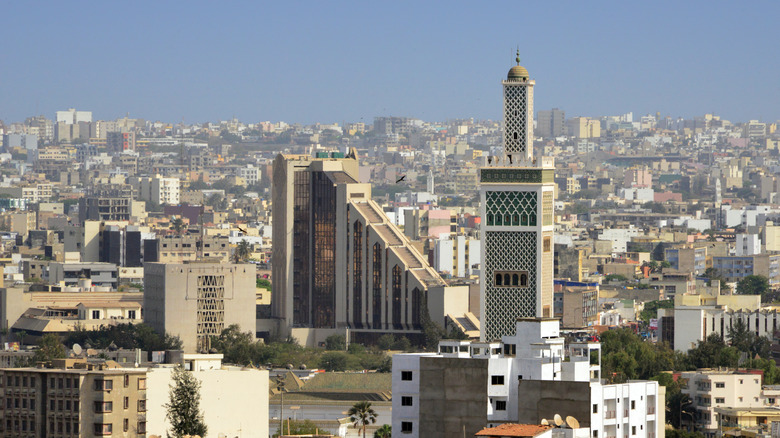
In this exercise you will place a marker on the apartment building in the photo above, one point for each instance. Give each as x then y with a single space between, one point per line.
524 378
710 390
73 398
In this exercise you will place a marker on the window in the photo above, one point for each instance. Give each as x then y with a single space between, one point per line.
103 406
406 401
127 380
496 380
595 434
595 408
406 427
771 401
406 375
96 314
633 404
103 428
126 403
131 314
125 425
500 405
720 384
142 427
723 400
142 405
142 383
741 381
104 385
633 430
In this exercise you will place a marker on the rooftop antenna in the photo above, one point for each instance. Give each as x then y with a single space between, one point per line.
572 422
77 350
558 420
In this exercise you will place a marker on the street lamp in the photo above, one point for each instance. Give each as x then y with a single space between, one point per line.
280 388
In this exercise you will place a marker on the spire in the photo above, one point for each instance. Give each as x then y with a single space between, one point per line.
517 58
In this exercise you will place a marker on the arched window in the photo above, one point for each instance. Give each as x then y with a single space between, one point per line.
515 134
490 219
523 280
515 279
498 279
506 279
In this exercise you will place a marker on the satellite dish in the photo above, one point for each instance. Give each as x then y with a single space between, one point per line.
558 420
572 422
544 422
77 349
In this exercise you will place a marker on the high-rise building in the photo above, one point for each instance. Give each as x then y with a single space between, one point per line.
340 265
551 123
198 300
516 204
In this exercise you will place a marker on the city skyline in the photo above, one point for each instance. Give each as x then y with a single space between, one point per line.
347 62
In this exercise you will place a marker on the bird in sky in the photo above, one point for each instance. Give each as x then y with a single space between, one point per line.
400 179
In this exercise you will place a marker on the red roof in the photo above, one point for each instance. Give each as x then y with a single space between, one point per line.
514 430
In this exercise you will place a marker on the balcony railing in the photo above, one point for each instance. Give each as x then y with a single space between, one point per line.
650 410
610 414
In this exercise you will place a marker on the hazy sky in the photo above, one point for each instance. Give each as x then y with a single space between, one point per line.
332 61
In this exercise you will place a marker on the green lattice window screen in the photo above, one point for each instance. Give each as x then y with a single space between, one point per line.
510 208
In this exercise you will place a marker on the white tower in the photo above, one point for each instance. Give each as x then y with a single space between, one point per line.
516 194
430 182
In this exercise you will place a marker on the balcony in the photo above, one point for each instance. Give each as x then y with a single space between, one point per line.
610 414
651 410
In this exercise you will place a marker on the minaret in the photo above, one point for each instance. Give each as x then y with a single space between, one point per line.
430 182
516 207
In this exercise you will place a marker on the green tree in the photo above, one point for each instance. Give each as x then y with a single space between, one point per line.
385 342
301 427
238 347
183 407
178 225
713 274
713 352
263 283
361 415
242 251
383 432
615 277
650 310
336 342
746 341
753 285
334 361
49 347
402 343
20 335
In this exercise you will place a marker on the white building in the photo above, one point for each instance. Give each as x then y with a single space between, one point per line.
71 116
234 400
250 174
747 244
522 379
619 237
709 390
456 256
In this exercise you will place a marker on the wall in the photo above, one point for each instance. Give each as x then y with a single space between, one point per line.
544 399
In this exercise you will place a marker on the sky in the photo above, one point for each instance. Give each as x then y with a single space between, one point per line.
336 61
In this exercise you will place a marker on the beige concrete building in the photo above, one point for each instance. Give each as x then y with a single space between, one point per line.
73 398
713 390
198 300
339 265
192 247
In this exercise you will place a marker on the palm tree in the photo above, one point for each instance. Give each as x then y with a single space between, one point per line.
178 225
361 415
383 432
242 251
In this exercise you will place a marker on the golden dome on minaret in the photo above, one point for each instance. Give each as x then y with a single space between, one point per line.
518 72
